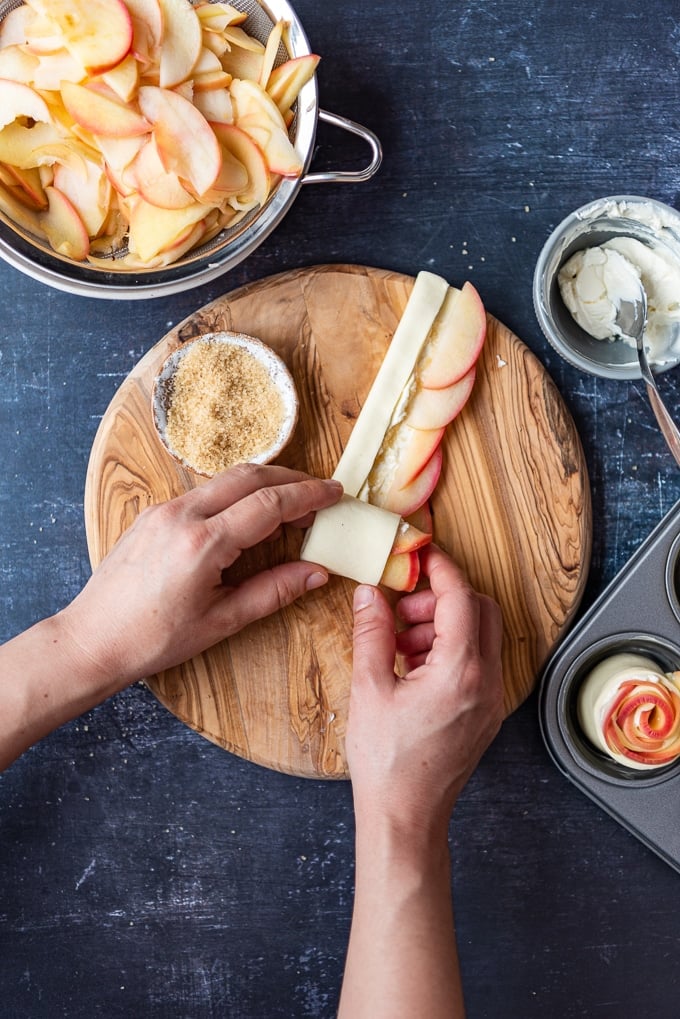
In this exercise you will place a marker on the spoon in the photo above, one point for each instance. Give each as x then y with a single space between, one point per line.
631 319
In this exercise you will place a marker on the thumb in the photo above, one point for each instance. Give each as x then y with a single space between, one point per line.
374 637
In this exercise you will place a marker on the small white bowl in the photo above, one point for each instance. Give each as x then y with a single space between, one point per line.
645 219
277 372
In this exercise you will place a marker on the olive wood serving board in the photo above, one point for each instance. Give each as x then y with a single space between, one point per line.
512 506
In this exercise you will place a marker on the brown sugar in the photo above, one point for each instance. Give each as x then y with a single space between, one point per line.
223 407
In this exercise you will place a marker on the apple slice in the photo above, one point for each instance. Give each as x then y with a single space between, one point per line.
404 453
281 157
406 501
410 538
401 572
218 16
181 41
17 64
100 115
42 35
436 408
155 184
123 79
63 226
232 180
456 339
270 51
119 154
186 143
29 183
19 100
21 146
90 194
53 68
13 26
154 230
147 29
97 32
243 148
286 80
243 63
422 519
19 213
215 105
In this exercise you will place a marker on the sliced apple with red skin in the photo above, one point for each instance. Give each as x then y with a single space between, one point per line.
281 157
42 35
243 148
154 230
219 16
186 143
13 26
182 41
123 79
436 408
244 64
17 64
154 183
147 29
270 51
21 146
215 105
422 519
21 101
18 212
119 154
29 183
89 193
214 42
407 500
211 81
456 340
97 32
63 226
404 452
101 115
53 68
286 80
232 180
410 538
402 571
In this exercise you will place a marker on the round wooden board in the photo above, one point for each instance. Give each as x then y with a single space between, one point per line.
512 506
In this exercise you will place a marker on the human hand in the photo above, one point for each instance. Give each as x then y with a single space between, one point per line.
163 594
413 741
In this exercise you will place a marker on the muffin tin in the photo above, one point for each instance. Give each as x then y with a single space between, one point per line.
639 612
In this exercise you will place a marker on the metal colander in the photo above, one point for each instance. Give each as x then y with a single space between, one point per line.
32 256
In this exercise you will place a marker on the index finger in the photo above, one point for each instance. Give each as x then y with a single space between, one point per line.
260 513
236 483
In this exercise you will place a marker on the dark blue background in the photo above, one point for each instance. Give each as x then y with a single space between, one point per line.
145 872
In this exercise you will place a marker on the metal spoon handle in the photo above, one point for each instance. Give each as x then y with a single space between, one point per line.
666 423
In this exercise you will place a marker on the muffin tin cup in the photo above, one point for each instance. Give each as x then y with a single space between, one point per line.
638 613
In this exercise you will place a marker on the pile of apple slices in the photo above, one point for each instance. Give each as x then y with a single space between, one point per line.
393 458
141 126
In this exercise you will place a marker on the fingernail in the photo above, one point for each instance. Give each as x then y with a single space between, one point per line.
315 580
332 483
363 597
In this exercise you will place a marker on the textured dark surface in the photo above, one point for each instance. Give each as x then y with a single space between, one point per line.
143 871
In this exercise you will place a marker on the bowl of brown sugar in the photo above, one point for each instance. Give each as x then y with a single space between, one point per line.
222 399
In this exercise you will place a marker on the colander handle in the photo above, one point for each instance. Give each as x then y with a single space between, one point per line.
348 176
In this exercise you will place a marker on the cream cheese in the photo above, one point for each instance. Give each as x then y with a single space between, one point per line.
594 281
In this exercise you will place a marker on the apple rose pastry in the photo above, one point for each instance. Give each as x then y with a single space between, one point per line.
631 711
